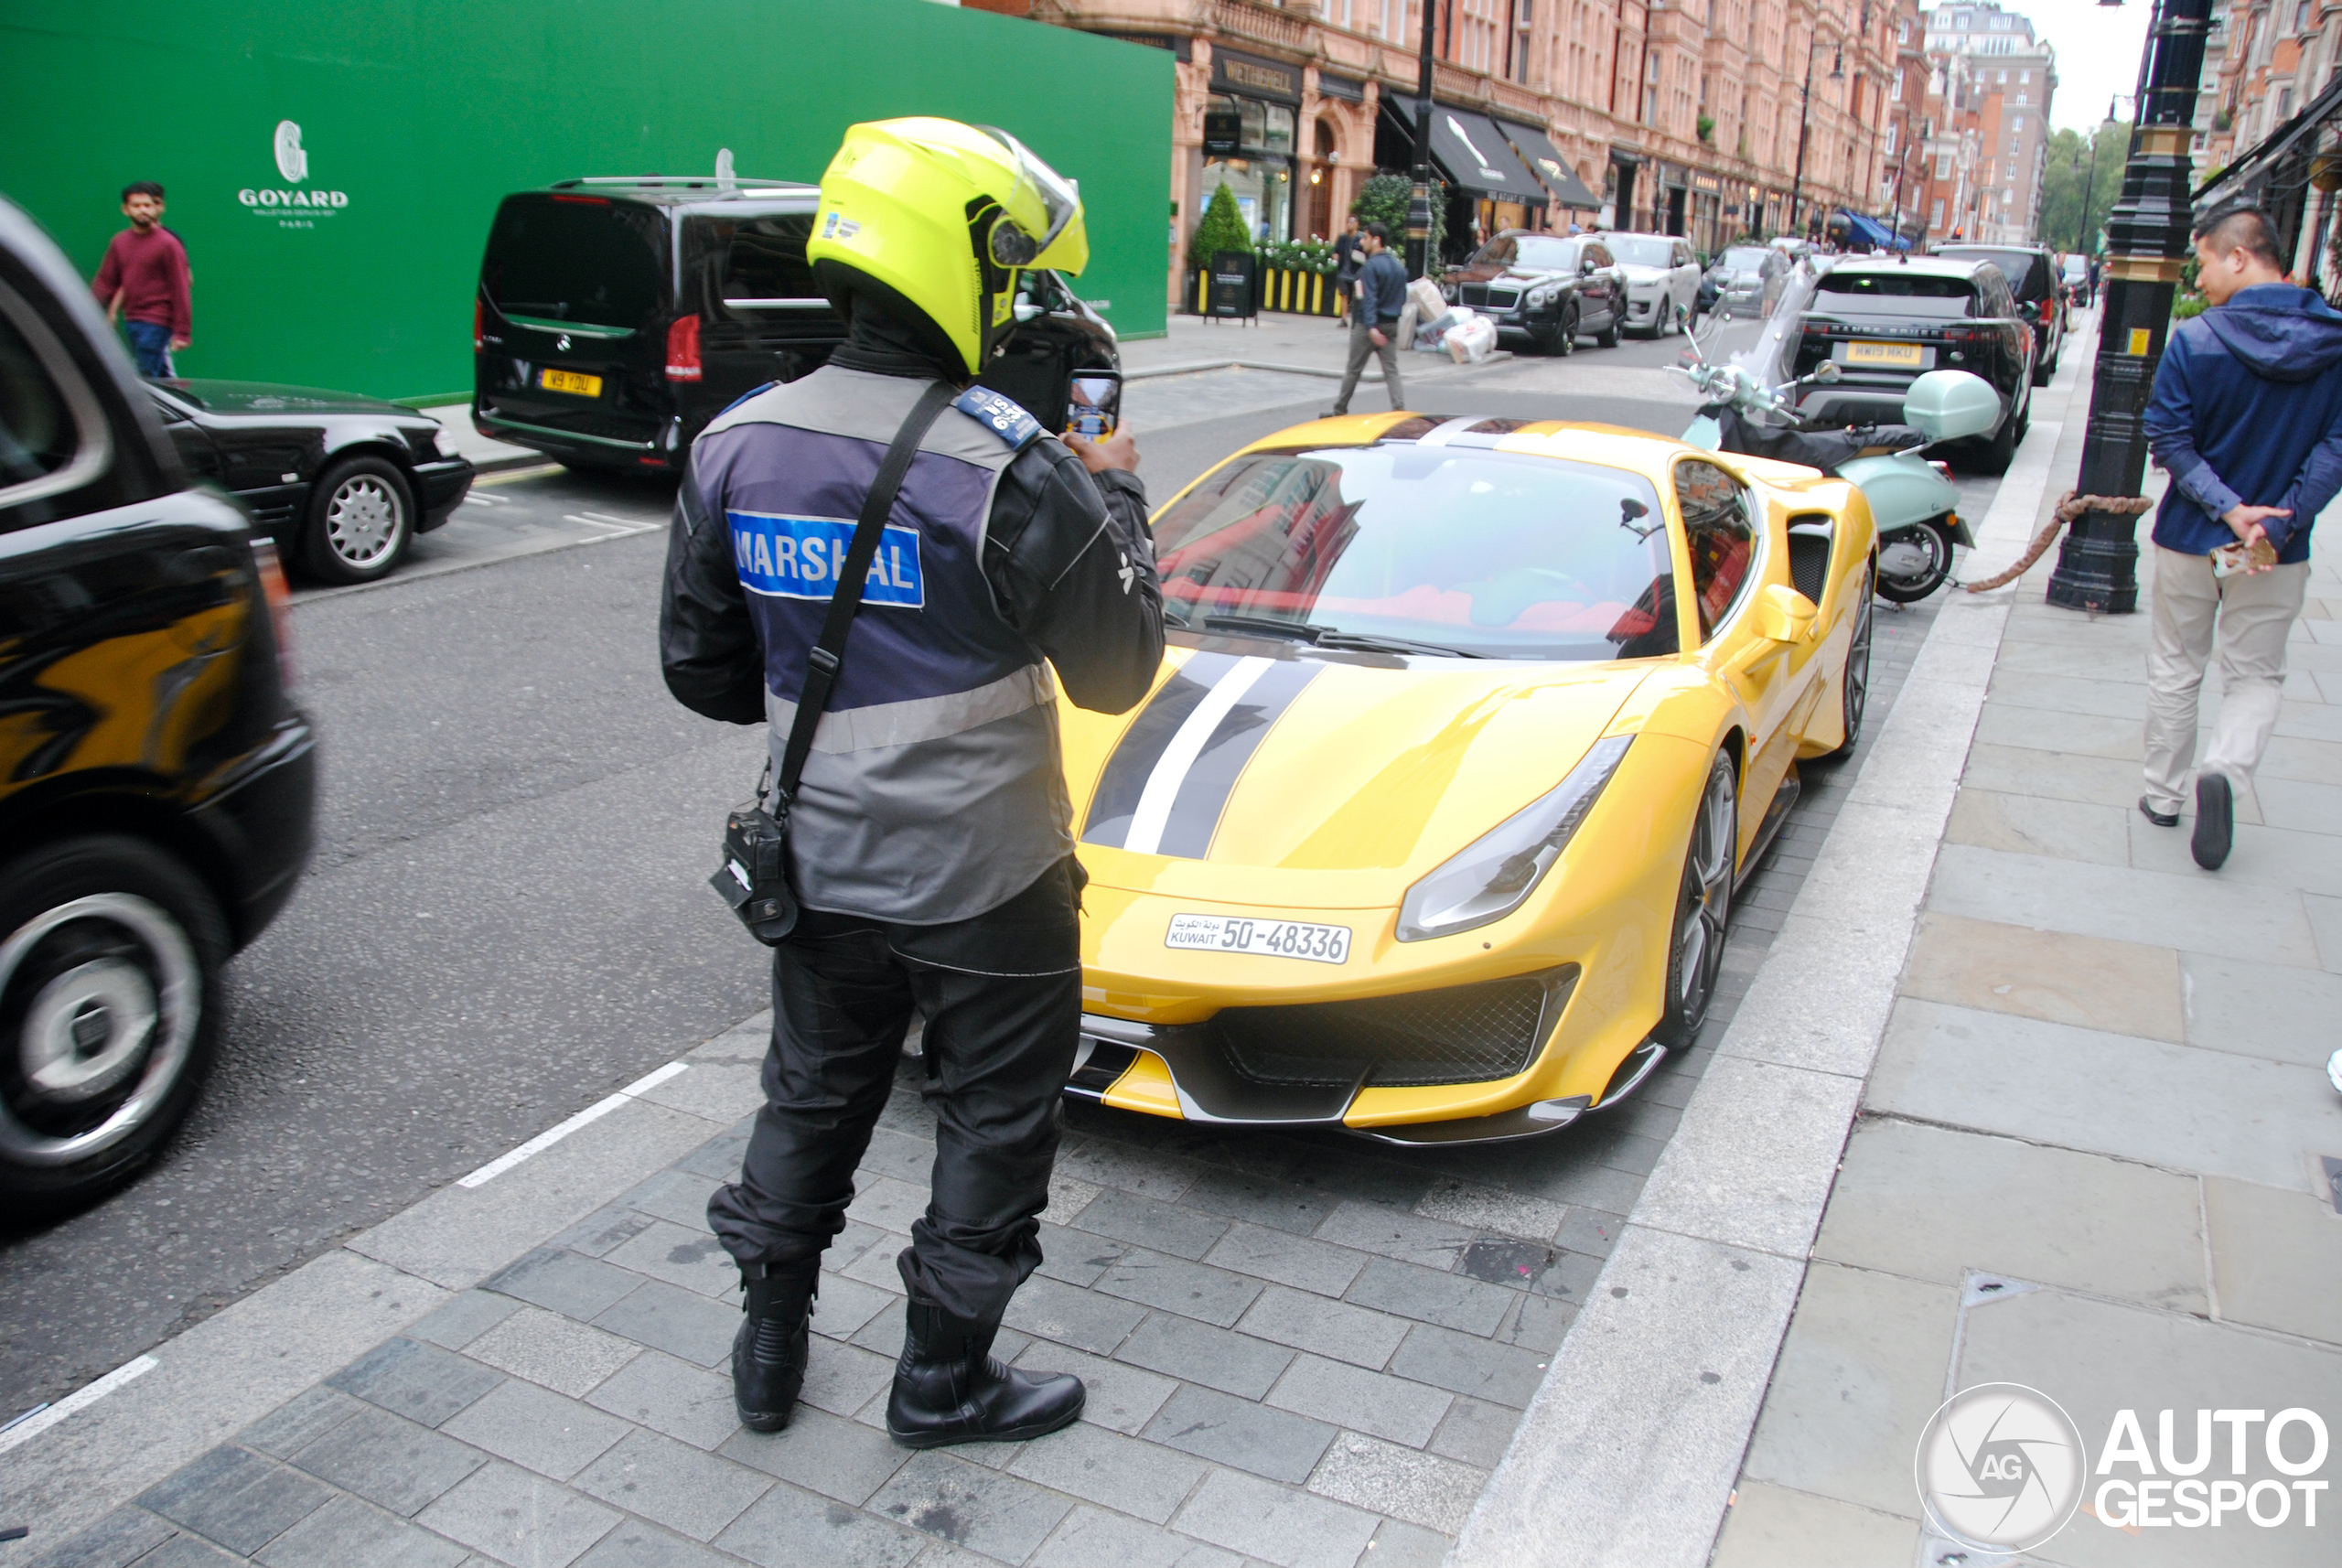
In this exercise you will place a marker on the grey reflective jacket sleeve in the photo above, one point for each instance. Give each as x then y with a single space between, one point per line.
1073 568
707 644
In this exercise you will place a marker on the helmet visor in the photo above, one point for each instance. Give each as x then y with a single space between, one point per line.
1058 200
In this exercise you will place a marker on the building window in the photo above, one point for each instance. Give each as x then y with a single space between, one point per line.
1935 220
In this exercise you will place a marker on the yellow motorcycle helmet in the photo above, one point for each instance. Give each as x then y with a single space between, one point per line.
932 220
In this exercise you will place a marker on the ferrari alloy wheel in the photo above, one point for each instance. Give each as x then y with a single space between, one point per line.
1854 681
110 956
1702 907
362 518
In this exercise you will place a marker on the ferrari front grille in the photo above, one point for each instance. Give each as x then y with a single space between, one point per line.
1462 1034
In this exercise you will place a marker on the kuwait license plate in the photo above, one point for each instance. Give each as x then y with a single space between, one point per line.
1273 938
573 381
1883 354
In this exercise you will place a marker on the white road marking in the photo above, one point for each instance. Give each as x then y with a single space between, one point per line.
33 1425
555 1133
619 527
1153 811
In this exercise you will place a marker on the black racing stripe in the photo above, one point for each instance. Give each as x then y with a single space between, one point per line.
1141 747
1196 811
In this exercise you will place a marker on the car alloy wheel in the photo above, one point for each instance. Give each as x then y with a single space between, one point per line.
1853 680
1702 907
108 960
362 520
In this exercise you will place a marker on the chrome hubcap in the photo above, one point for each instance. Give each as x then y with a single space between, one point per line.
101 997
1707 885
363 519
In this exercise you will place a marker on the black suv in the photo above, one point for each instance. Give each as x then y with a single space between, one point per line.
1884 321
2035 280
156 784
617 316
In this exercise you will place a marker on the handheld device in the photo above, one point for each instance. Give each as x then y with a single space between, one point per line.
1095 404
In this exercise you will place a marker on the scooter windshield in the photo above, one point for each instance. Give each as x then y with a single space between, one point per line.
1773 358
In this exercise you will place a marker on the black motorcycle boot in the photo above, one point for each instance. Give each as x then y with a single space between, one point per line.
768 1352
948 1387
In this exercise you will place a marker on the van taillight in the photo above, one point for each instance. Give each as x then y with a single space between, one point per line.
683 349
279 595
480 324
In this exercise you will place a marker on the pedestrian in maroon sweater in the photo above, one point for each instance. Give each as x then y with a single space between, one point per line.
145 283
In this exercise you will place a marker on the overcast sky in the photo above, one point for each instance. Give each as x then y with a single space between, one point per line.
2098 53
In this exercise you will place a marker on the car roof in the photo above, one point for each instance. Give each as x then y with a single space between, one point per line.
1934 266
1634 234
701 192
1959 246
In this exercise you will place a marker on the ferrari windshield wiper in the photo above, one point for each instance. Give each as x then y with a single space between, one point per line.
1366 642
1332 636
1269 626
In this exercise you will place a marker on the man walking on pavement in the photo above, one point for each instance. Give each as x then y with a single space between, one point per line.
930 841
144 281
2246 414
1374 319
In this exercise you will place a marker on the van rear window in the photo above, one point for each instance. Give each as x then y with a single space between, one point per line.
592 262
1924 295
754 262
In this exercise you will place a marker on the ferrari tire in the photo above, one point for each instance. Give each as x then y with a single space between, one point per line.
1702 907
1854 677
110 958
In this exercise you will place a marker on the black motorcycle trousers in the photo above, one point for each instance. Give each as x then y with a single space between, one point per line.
1002 997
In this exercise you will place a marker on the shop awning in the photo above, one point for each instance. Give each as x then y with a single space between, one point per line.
2248 172
1546 161
1871 231
1471 154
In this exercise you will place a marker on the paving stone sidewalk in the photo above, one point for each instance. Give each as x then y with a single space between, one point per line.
2089 1156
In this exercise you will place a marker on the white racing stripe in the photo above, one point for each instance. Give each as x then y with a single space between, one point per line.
1171 768
555 1133
33 1425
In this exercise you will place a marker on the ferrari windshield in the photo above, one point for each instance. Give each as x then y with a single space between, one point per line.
1494 554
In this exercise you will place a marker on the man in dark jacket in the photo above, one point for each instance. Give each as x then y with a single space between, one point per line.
2246 416
1349 255
1374 319
930 839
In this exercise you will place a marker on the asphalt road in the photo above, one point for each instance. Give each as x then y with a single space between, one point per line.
506 917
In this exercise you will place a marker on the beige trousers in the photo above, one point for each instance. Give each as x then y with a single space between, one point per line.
2253 614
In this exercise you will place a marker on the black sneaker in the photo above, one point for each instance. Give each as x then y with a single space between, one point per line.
2160 819
2215 821
1335 413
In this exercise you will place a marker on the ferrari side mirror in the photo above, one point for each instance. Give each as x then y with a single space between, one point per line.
1784 615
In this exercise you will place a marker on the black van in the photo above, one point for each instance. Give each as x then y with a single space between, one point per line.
617 316
156 782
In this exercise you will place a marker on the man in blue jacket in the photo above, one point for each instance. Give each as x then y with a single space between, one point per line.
1374 319
2247 417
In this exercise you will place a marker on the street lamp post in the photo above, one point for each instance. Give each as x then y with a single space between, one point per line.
2147 243
1419 203
1805 120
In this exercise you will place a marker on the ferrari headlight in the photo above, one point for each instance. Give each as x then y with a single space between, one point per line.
1491 880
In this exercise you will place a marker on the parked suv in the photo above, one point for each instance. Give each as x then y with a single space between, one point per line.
617 316
2033 278
156 782
1547 288
1662 280
1883 322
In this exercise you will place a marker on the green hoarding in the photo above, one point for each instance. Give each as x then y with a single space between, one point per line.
333 167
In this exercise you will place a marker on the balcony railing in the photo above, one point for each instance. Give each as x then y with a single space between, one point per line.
1262 23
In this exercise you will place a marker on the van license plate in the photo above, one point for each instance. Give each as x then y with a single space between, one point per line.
1883 354
1271 938
573 381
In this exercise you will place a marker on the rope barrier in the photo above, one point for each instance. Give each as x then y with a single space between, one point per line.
2069 507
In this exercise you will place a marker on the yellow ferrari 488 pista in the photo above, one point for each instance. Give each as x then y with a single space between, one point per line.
1431 826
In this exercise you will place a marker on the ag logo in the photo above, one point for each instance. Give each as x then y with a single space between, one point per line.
2000 1467
291 161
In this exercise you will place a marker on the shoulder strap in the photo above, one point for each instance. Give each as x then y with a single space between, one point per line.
827 653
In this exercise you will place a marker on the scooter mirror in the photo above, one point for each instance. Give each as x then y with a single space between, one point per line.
1828 374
